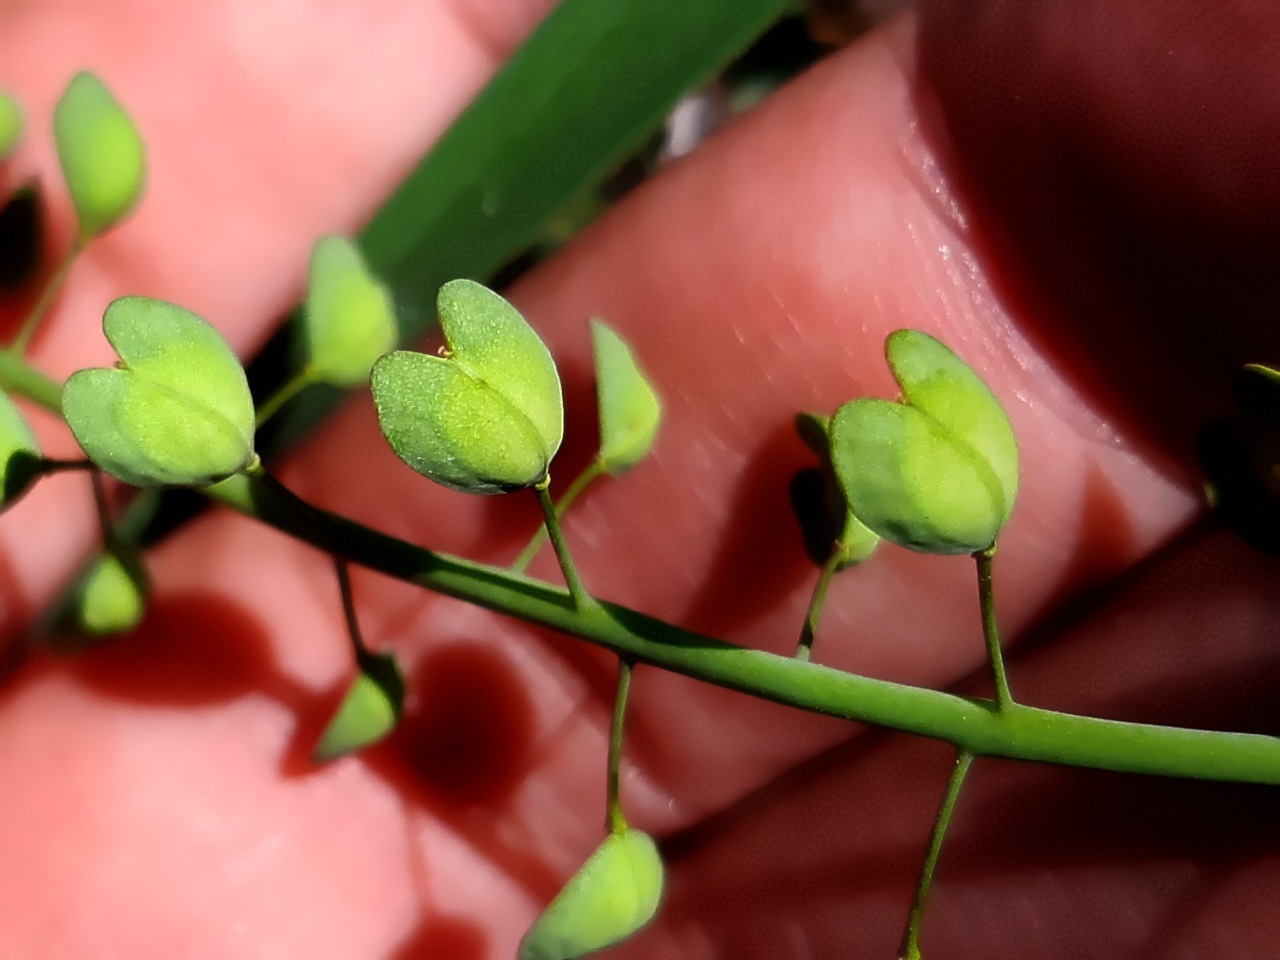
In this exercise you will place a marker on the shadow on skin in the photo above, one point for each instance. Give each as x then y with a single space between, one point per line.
753 567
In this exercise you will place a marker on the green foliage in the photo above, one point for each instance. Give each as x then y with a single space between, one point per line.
591 84
630 411
832 527
176 409
349 318
613 895
369 711
112 597
101 152
487 416
10 126
20 457
937 472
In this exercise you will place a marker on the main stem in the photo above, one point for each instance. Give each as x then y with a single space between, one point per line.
974 725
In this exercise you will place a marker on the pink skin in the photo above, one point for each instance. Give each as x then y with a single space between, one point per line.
1069 197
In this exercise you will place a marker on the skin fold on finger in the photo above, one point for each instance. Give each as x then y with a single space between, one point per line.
1122 159
756 279
247 165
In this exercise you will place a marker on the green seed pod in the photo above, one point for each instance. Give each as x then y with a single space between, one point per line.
10 126
176 409
349 319
112 597
101 152
20 456
369 711
630 411
833 527
487 416
615 893
937 472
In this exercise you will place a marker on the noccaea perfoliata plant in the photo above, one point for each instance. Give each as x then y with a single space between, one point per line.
175 411
935 471
487 415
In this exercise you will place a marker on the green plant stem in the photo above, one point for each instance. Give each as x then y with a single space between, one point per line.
20 378
817 601
990 629
615 822
49 466
358 646
283 394
18 347
973 725
580 483
103 510
911 939
581 599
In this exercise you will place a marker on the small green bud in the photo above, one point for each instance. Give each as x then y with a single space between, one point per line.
369 711
349 319
10 126
101 153
20 457
112 597
176 409
487 416
614 894
937 472
630 411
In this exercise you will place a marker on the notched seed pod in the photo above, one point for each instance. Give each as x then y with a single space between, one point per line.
937 472
487 417
176 409
614 894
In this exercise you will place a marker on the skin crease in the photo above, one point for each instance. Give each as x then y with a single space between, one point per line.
157 801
